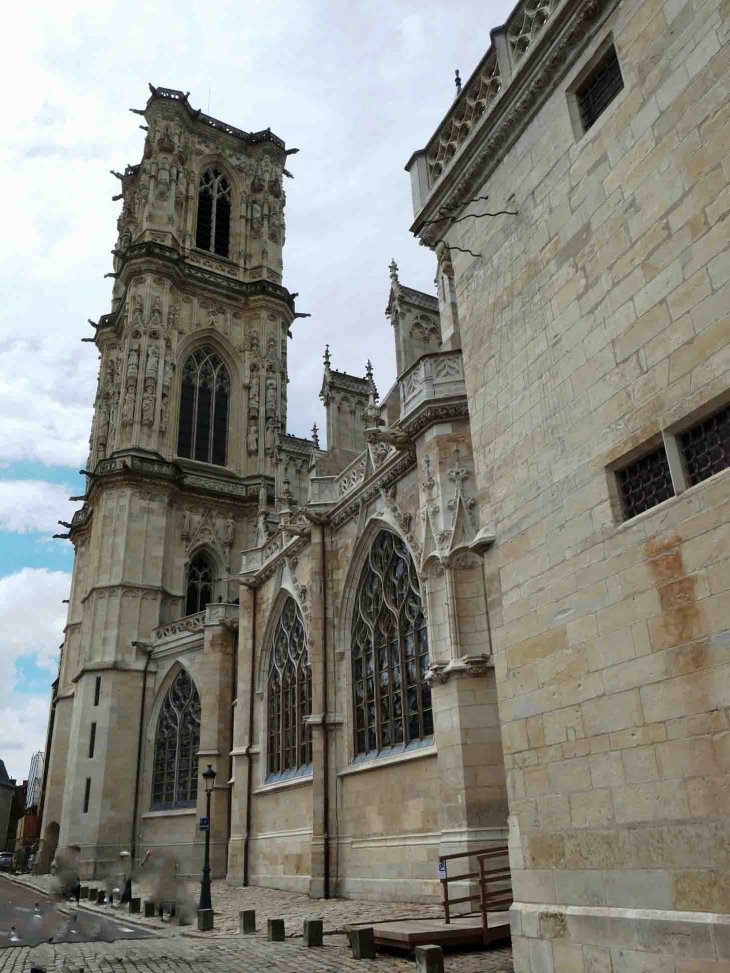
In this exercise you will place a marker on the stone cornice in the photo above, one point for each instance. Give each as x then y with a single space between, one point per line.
431 412
186 272
533 81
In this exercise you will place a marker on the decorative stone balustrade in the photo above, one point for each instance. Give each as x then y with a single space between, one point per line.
193 625
436 376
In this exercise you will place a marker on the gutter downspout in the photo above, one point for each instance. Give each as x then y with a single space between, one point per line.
234 698
325 736
249 767
133 842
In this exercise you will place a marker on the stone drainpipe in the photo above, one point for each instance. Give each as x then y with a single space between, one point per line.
133 841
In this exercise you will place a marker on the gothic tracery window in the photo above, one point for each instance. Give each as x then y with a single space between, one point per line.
204 398
214 213
175 772
392 700
200 585
289 696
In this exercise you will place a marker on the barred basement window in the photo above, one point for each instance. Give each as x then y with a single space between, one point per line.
200 585
175 769
392 700
214 213
706 447
204 407
289 696
599 89
645 483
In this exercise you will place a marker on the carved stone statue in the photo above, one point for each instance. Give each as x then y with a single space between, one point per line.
103 422
253 339
168 372
148 403
164 411
172 317
230 530
128 407
133 360
253 392
270 397
186 524
153 362
271 348
269 442
252 438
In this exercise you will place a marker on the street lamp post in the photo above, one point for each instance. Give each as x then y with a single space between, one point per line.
205 901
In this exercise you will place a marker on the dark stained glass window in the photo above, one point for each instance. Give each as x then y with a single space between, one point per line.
175 773
706 447
200 585
289 696
645 483
213 230
392 700
204 398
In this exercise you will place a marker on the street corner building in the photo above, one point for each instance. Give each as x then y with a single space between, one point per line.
496 607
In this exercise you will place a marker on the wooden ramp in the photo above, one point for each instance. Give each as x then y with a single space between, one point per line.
461 931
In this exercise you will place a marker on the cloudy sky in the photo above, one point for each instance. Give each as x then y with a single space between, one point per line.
355 86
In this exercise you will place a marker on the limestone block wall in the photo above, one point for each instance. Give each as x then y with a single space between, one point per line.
388 831
595 326
281 839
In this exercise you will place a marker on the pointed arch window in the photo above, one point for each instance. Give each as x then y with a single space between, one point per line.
392 700
204 396
177 741
289 697
200 585
213 230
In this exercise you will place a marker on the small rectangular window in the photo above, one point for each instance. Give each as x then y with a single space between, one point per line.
92 739
645 483
87 794
97 690
706 447
599 89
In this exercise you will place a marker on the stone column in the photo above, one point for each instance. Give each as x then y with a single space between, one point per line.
216 696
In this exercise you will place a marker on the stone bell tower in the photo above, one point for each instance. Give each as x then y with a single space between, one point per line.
191 396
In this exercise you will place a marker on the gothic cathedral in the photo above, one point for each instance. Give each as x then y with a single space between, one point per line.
310 622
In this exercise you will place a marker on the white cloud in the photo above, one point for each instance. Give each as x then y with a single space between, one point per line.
23 722
34 505
32 618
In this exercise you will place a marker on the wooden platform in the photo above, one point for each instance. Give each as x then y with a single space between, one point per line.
409 933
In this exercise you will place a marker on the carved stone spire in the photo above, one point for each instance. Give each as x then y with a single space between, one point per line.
315 436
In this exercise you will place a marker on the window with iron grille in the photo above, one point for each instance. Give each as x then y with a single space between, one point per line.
706 447
204 407
177 741
289 694
599 89
392 700
645 483
214 213
200 585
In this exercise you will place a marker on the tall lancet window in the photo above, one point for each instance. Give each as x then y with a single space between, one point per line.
200 585
392 700
289 696
204 407
213 231
175 769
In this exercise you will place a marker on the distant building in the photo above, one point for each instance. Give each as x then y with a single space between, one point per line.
35 781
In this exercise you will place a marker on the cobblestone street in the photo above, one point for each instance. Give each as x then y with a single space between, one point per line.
178 955
179 949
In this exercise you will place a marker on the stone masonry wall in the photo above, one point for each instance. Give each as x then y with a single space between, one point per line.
594 324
